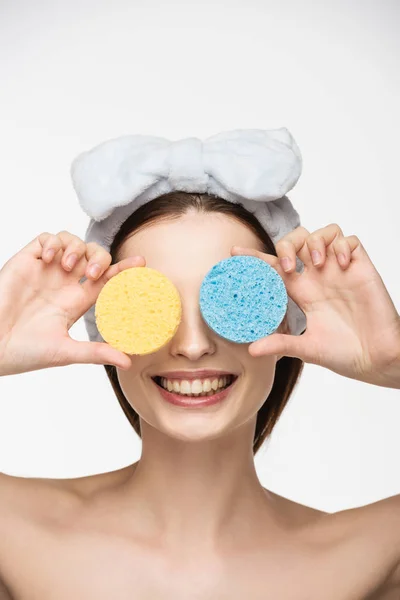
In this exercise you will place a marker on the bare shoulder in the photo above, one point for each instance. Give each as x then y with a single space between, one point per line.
368 535
294 514
366 538
49 499
375 527
28 505
25 501
383 518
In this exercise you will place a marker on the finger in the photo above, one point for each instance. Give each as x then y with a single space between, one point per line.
91 259
300 242
46 241
126 263
318 244
74 252
269 258
347 246
96 353
280 343
41 244
51 249
77 254
272 260
292 245
342 252
50 245
98 260
92 288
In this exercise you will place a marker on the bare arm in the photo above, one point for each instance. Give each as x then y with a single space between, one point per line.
394 579
4 592
391 506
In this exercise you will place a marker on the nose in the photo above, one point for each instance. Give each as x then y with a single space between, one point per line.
193 338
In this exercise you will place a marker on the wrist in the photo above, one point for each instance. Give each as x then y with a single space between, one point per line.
390 377
389 374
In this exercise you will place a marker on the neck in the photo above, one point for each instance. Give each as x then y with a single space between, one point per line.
197 494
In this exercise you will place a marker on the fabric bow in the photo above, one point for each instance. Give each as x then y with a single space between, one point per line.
253 167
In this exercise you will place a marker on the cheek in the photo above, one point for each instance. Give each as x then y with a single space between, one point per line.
138 393
132 388
261 377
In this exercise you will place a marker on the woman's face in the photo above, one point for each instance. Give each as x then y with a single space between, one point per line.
185 250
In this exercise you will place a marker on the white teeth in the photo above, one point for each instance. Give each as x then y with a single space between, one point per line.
196 387
206 386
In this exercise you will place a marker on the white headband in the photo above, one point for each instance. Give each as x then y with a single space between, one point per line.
253 167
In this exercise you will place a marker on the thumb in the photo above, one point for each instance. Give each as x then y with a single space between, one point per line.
96 353
279 343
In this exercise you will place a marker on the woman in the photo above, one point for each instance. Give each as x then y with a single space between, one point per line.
190 519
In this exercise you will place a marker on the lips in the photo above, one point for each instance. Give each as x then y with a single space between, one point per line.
194 401
190 375
157 380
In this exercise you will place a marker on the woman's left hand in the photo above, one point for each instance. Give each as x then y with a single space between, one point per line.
353 327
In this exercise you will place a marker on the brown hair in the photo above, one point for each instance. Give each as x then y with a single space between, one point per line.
170 207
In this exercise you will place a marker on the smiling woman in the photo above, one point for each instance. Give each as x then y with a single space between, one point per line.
191 513
167 209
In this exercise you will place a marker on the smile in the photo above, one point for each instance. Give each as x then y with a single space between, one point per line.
209 398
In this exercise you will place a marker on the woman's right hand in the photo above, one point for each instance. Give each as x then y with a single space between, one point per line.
41 298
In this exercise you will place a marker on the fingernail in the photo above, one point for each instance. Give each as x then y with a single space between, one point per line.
94 270
342 259
316 257
48 255
255 350
71 260
286 263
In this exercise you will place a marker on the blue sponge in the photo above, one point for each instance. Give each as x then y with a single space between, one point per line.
242 298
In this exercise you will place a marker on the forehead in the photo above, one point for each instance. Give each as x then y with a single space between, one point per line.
186 248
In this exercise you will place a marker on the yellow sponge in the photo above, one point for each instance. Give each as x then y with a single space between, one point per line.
138 311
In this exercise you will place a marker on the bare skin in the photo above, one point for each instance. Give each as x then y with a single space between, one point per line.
63 539
190 519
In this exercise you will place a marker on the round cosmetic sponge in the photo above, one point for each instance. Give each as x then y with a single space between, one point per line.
243 298
138 311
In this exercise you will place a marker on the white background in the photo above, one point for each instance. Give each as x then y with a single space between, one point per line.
79 72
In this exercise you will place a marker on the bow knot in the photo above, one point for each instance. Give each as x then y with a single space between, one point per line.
253 167
257 165
184 159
